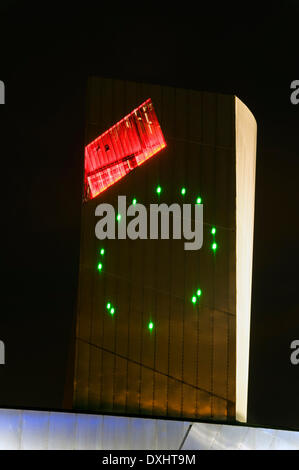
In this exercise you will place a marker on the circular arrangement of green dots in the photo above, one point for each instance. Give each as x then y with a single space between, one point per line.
214 247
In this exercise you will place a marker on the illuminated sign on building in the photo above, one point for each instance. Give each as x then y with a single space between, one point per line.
117 151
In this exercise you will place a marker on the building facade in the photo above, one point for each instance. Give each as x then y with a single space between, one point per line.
162 331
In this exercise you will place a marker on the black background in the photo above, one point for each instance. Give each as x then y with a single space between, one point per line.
46 57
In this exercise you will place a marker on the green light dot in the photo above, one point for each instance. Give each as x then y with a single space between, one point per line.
108 306
158 190
112 310
198 200
100 266
118 217
150 325
183 191
134 201
214 246
198 293
213 230
102 252
194 299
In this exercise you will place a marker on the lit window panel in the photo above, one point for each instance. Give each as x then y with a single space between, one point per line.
116 152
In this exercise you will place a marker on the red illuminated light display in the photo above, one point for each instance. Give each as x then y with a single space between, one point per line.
116 152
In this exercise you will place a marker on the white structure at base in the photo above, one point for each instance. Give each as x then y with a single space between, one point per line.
42 430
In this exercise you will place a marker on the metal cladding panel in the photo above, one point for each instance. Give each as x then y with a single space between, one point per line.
185 366
223 437
43 430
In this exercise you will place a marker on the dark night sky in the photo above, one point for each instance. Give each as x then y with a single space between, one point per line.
46 57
